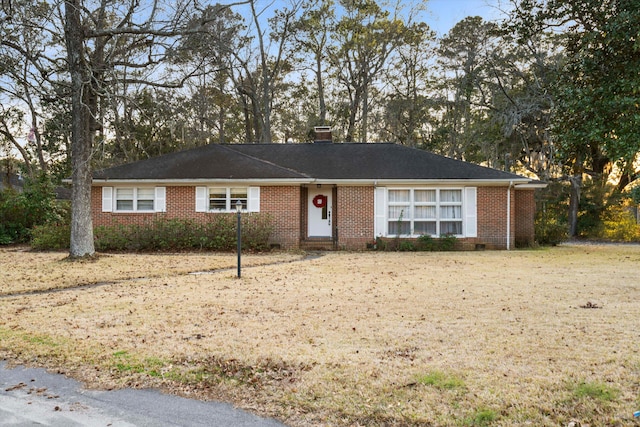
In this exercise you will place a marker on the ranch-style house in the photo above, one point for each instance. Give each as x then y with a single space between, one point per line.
324 194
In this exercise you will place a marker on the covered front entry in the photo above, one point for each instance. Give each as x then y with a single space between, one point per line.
319 212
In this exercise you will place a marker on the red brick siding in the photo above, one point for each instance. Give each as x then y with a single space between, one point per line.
355 217
525 218
180 202
492 217
283 204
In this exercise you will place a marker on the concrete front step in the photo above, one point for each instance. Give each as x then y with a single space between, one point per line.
317 244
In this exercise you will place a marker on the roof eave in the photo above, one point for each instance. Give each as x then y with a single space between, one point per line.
519 183
531 185
198 181
459 181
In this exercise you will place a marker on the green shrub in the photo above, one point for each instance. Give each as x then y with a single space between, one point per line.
447 242
444 243
51 236
5 238
380 244
427 243
21 212
406 246
551 221
422 243
635 194
620 225
161 234
552 231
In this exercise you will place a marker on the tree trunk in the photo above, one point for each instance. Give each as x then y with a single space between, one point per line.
81 135
574 203
365 109
320 85
4 131
221 117
353 114
265 123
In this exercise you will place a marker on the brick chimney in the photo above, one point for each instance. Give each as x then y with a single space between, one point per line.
323 134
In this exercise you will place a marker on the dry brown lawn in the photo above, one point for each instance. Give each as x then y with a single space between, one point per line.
543 337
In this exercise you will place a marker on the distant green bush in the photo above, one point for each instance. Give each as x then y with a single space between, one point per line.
551 231
20 212
635 194
620 225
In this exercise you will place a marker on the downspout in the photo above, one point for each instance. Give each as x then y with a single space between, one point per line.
509 215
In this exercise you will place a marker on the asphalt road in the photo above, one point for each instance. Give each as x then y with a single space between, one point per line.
35 397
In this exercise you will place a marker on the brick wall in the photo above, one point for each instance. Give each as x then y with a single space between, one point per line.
525 218
492 218
284 205
181 204
355 217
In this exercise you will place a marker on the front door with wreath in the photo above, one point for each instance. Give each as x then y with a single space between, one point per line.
319 212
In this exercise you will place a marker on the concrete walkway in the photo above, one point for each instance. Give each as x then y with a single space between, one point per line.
35 397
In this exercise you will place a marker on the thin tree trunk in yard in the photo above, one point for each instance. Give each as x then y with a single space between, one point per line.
574 202
82 136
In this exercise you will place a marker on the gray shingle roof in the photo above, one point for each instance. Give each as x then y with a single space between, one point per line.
348 161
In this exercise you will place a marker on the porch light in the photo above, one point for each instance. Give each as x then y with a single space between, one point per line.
239 236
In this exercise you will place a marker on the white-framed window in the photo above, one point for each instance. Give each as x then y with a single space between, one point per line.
134 199
224 199
424 211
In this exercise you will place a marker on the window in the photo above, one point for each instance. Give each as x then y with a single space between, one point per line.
450 212
400 211
135 199
224 199
127 199
424 211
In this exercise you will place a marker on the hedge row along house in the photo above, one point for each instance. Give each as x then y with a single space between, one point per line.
325 195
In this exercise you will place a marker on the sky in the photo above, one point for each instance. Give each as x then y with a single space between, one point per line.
442 15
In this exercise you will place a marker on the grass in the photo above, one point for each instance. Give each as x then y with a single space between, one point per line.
442 339
481 417
441 381
595 390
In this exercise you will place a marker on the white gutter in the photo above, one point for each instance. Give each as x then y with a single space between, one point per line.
532 185
203 181
311 181
509 215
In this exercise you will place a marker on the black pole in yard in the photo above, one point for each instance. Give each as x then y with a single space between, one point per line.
239 237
